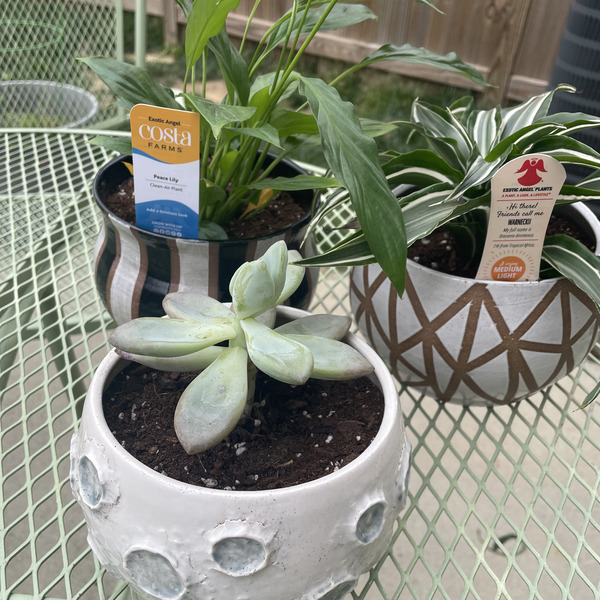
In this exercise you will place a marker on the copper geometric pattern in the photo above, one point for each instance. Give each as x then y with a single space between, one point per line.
471 349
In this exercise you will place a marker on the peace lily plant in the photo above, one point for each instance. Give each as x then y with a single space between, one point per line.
214 402
254 118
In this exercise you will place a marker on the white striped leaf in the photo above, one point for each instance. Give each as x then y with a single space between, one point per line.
568 150
575 262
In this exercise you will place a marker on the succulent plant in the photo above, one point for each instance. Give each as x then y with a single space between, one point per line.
211 406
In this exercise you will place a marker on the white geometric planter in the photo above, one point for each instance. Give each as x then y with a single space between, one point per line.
175 541
477 342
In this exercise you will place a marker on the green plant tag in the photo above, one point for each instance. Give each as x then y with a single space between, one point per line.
524 192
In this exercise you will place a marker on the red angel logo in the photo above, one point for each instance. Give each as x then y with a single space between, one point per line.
531 168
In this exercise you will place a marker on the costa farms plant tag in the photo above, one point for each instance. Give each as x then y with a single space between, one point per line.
166 169
524 192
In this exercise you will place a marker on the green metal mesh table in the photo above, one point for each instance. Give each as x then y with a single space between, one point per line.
504 502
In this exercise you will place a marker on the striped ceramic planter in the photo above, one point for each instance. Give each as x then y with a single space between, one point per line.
135 268
473 341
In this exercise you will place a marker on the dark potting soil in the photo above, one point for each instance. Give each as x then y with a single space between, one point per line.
438 250
280 213
296 433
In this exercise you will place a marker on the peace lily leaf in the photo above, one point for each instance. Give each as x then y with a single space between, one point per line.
574 261
211 406
122 145
329 326
263 200
206 19
209 230
219 115
288 122
294 275
421 56
278 356
233 66
352 157
252 289
332 359
342 15
189 305
131 84
266 133
195 361
168 337
292 184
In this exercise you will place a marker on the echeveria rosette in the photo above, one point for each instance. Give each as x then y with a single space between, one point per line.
215 401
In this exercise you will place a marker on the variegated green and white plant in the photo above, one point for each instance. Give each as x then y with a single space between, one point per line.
217 398
450 176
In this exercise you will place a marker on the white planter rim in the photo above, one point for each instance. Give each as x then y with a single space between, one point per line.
111 362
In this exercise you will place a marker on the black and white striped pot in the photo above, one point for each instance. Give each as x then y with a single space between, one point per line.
135 269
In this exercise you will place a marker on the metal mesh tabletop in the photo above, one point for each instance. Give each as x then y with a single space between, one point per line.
504 502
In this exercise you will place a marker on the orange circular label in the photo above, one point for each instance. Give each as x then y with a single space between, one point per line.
509 268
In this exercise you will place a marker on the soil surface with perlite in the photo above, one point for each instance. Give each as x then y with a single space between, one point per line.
296 433
439 250
282 212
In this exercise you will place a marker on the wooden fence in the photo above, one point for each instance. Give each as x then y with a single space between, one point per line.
512 42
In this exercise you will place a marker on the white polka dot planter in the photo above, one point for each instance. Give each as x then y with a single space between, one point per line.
473 341
174 541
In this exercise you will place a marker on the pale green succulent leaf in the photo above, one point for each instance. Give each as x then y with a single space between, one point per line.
278 356
195 361
155 336
189 305
575 262
211 406
294 275
333 359
276 259
253 290
334 327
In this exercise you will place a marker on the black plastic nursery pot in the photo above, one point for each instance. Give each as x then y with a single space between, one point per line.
135 268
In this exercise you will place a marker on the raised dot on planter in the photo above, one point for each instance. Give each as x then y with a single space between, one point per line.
90 487
370 523
239 556
154 574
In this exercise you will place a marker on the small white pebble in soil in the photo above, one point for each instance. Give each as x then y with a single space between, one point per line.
434 264
324 394
209 482
358 438
255 477
121 416
239 451
328 439
299 454
416 259
331 413
316 445
257 422
305 413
